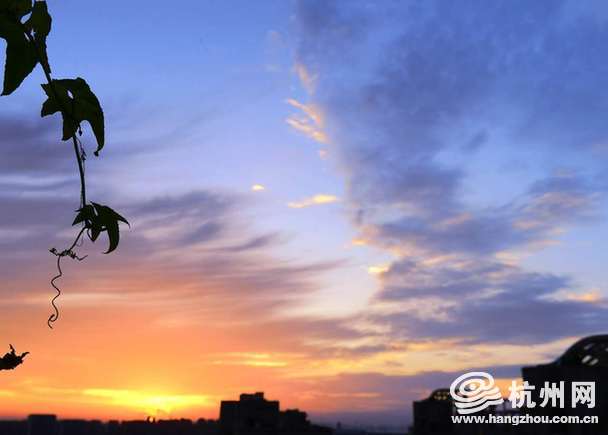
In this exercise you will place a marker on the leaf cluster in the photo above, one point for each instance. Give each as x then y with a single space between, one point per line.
25 41
99 218
25 26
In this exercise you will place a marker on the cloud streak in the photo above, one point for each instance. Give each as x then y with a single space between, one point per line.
319 199
413 128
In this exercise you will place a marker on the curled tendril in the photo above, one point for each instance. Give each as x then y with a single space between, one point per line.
65 253
53 317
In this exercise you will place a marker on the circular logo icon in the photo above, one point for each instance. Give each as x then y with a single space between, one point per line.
474 392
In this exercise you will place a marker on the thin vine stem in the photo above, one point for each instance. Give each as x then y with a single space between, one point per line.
80 160
79 156
93 218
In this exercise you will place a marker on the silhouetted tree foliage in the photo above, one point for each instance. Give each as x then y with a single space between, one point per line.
25 26
10 360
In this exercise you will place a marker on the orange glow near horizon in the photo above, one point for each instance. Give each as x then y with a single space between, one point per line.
133 346
151 403
125 363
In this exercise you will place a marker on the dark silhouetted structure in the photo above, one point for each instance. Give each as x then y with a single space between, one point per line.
50 425
42 424
585 361
251 415
82 427
433 415
295 422
9 427
163 427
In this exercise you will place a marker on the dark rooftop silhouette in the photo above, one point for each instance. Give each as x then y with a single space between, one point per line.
584 361
252 414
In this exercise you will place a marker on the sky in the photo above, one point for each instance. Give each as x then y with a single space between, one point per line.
342 204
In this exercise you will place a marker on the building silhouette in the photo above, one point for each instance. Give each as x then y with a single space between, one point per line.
252 414
10 427
82 427
586 361
433 415
42 424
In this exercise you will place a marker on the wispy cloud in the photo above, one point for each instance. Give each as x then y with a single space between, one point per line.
253 359
416 132
318 199
308 80
309 122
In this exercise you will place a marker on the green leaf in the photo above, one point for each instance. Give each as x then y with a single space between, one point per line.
16 8
108 219
40 20
20 54
95 231
59 100
51 105
104 210
40 24
85 214
98 218
77 103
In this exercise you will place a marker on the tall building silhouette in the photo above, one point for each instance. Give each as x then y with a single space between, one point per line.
252 414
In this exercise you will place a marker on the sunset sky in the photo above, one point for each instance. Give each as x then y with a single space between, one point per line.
342 204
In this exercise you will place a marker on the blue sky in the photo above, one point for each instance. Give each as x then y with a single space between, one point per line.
434 188
204 88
